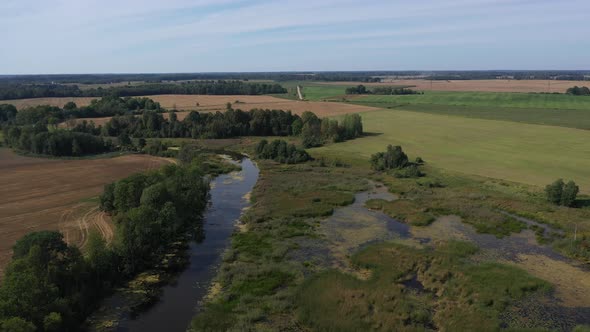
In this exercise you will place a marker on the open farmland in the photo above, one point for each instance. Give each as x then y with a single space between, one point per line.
51 194
480 85
497 149
496 99
579 119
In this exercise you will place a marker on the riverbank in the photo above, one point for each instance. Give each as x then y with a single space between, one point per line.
165 297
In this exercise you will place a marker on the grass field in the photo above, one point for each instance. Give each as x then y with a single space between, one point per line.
496 99
524 153
552 117
53 194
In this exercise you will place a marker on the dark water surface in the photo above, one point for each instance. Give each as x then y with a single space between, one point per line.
179 301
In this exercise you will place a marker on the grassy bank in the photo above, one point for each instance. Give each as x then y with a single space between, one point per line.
277 247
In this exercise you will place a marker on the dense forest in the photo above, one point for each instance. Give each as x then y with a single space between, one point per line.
21 91
51 286
231 123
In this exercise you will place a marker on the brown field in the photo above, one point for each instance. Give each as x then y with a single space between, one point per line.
51 194
215 103
481 85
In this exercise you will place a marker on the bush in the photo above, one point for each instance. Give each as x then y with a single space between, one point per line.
411 171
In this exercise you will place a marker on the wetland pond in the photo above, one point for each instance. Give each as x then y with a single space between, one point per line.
178 302
354 227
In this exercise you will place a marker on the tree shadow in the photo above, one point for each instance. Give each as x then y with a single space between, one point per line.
369 134
583 202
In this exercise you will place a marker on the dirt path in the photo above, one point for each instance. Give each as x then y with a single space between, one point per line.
299 92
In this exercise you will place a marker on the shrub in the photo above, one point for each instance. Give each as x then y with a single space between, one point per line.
412 171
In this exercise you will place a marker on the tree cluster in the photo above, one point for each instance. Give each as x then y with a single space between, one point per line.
51 286
357 90
315 132
37 139
281 151
394 158
389 90
562 193
578 91
382 90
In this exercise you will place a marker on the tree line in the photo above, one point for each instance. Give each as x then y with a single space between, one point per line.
52 115
21 91
35 129
384 90
51 286
38 139
231 123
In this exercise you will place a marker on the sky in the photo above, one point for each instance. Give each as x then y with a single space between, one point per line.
165 36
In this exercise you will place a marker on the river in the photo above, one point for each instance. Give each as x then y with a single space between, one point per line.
180 301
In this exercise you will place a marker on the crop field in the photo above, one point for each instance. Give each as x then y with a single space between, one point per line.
52 194
499 99
480 85
531 154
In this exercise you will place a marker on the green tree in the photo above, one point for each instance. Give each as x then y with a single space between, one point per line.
554 191
52 322
569 193
16 324
296 127
70 106
124 139
76 148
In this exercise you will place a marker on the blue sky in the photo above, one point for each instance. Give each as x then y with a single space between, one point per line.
112 36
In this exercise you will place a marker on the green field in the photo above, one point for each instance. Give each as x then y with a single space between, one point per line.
564 118
496 99
524 153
